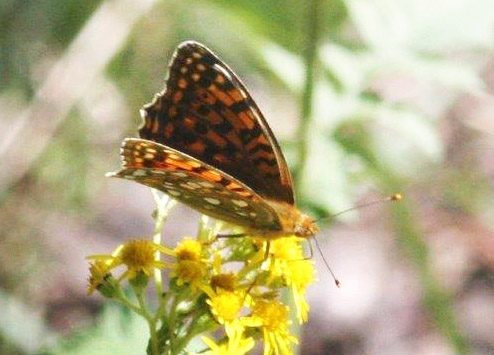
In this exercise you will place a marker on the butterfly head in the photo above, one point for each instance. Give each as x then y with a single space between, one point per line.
293 221
306 227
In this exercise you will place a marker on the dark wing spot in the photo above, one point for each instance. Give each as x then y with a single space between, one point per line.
205 82
200 128
203 110
246 135
260 147
270 162
224 127
240 106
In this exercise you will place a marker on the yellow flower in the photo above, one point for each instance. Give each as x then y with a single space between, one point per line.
299 274
273 315
189 268
236 344
288 248
289 263
99 270
137 255
189 249
224 280
189 272
226 305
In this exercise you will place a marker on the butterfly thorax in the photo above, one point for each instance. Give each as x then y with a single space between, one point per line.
292 221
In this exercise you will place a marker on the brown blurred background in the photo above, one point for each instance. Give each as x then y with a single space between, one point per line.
367 99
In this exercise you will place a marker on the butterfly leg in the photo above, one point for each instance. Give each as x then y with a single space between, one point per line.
311 255
266 252
237 235
311 250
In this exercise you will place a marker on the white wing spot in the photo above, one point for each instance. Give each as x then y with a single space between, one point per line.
240 203
206 184
212 201
190 185
139 172
241 213
173 192
174 156
253 214
179 174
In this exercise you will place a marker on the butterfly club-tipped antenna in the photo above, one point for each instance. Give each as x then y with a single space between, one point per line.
390 198
393 197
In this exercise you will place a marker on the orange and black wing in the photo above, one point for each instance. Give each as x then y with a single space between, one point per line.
207 113
198 185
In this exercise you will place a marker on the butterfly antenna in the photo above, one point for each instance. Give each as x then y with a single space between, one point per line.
336 281
393 197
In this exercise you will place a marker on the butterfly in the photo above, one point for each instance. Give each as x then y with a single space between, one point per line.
205 142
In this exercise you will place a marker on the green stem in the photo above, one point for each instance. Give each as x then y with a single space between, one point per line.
143 311
162 305
172 320
151 321
159 220
191 333
310 56
313 28
124 300
438 302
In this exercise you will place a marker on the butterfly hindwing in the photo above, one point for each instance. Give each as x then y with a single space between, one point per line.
206 112
202 187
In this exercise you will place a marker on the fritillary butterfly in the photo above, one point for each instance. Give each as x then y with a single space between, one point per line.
205 143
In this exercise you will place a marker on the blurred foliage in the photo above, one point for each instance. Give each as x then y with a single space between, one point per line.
31 31
115 332
385 74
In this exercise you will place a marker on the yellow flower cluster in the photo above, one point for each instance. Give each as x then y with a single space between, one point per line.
233 283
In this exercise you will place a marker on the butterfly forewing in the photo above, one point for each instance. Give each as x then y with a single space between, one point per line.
206 112
199 185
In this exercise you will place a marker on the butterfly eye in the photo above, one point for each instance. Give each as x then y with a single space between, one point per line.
301 231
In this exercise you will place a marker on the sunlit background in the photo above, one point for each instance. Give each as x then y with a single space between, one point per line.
367 98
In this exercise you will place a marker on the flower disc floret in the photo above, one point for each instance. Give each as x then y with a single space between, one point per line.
189 249
189 272
139 255
226 281
226 305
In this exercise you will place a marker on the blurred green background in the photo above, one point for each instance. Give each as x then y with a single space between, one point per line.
367 98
